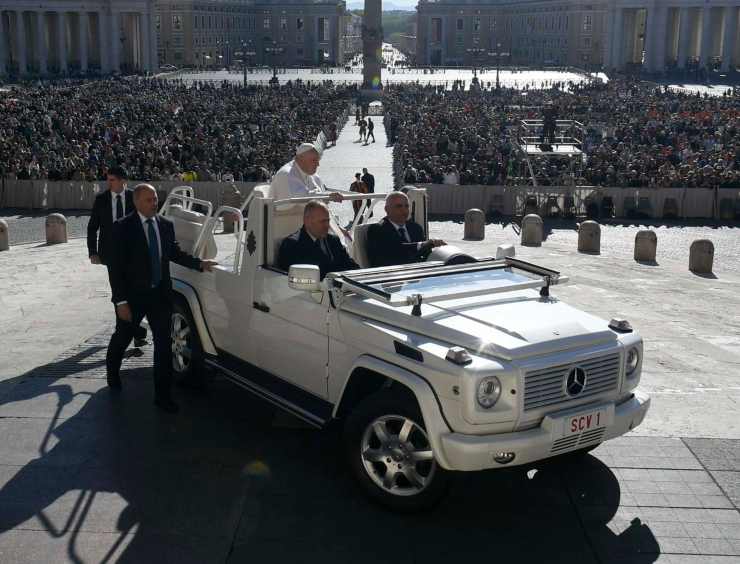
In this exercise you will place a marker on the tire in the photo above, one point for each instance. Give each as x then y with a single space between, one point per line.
187 351
374 444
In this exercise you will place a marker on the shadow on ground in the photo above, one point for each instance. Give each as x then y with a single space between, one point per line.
87 476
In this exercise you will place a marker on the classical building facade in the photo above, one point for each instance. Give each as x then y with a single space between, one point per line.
656 34
48 37
208 33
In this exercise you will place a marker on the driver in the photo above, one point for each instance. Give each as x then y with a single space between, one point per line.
396 240
313 244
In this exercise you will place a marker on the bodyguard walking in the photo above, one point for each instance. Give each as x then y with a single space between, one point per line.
143 246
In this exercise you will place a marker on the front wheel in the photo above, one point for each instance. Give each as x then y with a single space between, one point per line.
390 454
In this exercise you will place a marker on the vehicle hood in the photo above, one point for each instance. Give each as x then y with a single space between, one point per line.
513 325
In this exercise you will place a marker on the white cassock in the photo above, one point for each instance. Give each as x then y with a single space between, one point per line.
291 182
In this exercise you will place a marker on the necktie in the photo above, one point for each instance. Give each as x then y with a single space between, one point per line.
119 207
324 247
156 264
404 236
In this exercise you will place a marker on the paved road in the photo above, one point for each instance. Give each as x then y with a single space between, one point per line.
86 477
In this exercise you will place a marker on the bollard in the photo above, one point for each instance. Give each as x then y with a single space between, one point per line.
532 230
4 236
503 251
56 229
701 256
232 197
475 225
646 245
589 237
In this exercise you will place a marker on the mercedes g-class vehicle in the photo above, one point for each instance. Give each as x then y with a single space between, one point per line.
455 364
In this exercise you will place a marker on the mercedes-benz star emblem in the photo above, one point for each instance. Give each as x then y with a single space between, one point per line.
576 381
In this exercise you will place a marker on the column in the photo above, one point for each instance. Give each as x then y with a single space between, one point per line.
684 38
115 42
41 42
372 43
146 39
729 37
705 51
104 41
3 50
83 28
62 41
20 43
609 39
618 42
658 22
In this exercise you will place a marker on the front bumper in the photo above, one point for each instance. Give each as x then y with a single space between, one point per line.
473 452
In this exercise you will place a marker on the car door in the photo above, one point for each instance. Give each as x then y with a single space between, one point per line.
290 332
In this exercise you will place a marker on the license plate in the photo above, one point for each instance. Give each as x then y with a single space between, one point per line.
587 421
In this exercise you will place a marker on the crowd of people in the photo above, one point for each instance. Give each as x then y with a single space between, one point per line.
161 130
633 135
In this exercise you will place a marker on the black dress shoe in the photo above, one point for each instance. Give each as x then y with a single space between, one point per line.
140 343
167 405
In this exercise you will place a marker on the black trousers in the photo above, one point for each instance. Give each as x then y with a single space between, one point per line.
139 331
156 306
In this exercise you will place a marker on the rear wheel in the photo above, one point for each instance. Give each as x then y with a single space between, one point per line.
389 453
187 352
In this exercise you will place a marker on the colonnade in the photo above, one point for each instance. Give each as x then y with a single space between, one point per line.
659 36
52 40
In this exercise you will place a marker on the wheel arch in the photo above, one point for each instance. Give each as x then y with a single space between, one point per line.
370 374
187 294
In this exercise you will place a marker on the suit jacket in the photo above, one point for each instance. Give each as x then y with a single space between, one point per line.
100 226
385 247
300 248
130 269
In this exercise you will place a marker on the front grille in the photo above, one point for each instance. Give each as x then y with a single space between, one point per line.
578 441
546 387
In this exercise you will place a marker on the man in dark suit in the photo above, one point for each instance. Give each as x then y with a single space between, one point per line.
108 207
143 246
313 244
395 239
368 179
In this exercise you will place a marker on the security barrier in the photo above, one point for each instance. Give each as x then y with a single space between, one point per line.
604 203
46 194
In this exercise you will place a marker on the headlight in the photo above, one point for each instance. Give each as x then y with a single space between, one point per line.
633 359
489 390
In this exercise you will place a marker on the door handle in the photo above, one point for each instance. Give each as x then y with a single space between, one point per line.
260 306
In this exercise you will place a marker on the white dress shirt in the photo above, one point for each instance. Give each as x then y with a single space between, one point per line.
407 238
114 202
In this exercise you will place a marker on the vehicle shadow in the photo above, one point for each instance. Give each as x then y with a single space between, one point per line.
88 476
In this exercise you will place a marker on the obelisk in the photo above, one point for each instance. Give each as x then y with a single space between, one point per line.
372 44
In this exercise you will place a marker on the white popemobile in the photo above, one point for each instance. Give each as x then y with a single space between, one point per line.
458 364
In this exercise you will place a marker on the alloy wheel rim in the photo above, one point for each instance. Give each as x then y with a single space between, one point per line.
181 351
397 456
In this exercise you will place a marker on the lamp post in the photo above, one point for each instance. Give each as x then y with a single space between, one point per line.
274 50
498 54
124 64
474 53
246 53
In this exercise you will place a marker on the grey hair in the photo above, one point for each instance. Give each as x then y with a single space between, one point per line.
314 205
395 194
141 187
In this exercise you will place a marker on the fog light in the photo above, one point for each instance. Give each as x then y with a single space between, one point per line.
504 457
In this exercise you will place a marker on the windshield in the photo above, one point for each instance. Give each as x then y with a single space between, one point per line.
477 282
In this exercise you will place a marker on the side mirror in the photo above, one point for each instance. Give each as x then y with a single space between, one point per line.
305 278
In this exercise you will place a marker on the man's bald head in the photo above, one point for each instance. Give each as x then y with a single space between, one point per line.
145 200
